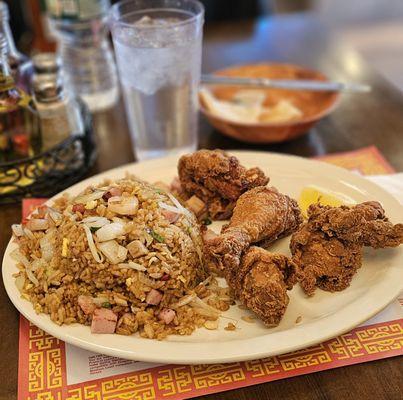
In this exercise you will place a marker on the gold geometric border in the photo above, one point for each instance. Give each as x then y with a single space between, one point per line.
42 367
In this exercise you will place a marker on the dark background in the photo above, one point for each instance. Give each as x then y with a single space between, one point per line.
28 22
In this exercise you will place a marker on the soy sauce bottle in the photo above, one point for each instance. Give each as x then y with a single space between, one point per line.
20 132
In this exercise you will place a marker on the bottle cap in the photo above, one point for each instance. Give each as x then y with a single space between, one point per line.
4 13
47 87
48 63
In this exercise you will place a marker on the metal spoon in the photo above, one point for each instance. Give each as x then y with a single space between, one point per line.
289 84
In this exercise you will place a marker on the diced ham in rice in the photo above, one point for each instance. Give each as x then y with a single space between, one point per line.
153 297
103 321
87 304
119 257
170 216
167 315
79 208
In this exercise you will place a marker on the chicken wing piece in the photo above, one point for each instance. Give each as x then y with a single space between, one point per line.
217 179
328 248
261 215
261 283
364 223
327 263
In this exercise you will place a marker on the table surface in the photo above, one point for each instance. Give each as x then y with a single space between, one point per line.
359 121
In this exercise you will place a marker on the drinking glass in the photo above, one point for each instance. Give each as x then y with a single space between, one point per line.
158 53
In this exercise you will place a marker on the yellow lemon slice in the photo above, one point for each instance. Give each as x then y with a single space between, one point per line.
314 194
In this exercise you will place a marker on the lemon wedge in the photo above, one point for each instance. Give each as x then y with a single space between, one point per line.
314 194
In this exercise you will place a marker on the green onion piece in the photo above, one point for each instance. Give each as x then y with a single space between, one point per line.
157 236
207 221
106 305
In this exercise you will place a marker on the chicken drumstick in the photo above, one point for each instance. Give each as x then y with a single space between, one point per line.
261 283
260 216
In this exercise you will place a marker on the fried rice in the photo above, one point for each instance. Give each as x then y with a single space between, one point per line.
123 257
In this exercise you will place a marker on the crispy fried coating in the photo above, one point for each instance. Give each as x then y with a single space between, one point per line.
262 281
364 223
261 215
218 179
327 263
328 248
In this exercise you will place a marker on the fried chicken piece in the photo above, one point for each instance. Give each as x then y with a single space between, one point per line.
261 283
364 223
260 216
327 263
217 179
328 248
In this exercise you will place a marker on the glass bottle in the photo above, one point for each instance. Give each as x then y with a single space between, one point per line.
17 61
80 27
20 134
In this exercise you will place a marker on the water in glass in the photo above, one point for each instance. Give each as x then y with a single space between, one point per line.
159 60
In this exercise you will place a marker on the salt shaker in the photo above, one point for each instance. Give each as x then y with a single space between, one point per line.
60 114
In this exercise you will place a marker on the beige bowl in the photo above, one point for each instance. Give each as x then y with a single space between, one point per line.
314 105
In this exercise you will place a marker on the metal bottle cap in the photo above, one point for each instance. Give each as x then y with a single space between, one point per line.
46 63
47 87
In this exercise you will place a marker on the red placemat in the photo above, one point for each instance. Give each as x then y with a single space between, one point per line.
52 369
367 161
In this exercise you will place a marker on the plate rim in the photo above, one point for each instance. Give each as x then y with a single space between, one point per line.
251 344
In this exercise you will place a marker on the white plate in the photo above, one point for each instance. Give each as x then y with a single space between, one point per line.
324 315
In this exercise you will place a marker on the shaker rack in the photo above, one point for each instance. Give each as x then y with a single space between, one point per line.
51 171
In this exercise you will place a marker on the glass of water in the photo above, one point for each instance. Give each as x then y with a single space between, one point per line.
158 53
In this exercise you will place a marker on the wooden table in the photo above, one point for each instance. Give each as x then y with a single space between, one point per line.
361 120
